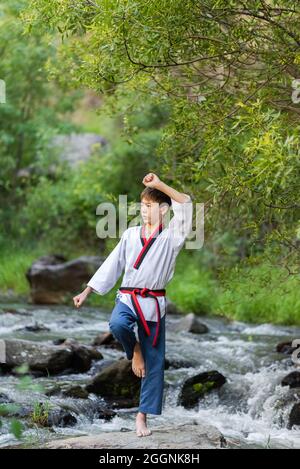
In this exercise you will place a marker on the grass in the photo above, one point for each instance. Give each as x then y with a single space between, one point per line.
256 293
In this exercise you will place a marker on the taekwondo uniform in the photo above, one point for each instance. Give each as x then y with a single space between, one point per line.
140 304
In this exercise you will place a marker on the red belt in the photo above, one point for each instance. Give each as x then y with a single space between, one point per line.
144 292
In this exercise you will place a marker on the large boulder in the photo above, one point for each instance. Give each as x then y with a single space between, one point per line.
53 280
117 384
48 358
198 386
185 436
83 355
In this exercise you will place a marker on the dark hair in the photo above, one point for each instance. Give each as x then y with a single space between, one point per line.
155 195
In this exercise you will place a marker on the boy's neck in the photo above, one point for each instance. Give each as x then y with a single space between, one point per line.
150 228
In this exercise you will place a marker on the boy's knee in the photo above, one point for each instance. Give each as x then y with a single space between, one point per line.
117 327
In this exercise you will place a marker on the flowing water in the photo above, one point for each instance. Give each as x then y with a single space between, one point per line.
251 409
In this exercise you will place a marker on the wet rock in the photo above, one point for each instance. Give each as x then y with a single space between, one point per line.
59 341
82 355
35 327
177 364
52 390
43 358
104 413
189 323
103 339
53 280
292 380
294 417
286 348
76 392
61 418
42 414
117 384
39 357
186 436
107 340
100 365
198 386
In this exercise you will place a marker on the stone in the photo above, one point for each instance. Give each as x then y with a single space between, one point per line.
196 387
189 323
185 436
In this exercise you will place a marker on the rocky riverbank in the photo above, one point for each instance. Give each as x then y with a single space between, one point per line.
199 436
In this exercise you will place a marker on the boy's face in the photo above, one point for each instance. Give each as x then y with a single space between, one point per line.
152 212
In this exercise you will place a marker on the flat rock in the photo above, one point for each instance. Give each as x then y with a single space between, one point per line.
186 436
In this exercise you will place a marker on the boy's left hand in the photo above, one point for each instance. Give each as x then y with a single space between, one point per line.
151 180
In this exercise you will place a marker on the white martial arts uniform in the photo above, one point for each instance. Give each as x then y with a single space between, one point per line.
157 264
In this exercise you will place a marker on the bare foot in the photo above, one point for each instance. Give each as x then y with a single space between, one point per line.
138 364
141 425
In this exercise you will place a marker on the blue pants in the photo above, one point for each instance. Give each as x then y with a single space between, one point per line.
121 324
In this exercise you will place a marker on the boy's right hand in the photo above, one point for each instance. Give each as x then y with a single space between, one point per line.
79 299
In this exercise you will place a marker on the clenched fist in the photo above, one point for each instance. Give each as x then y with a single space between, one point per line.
79 299
151 180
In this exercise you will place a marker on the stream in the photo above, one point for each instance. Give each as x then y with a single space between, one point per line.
251 410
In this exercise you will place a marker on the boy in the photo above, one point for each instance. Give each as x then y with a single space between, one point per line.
148 254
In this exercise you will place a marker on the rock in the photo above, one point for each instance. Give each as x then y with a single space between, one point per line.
286 348
4 399
171 307
76 392
43 415
35 327
292 380
58 341
196 387
185 436
47 358
39 357
117 384
189 323
294 417
100 365
176 364
52 279
82 355
107 340
104 413
61 418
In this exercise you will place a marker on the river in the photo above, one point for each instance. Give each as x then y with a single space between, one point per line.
251 409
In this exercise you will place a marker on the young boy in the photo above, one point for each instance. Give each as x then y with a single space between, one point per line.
147 253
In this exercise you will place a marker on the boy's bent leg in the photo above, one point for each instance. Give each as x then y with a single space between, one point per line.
122 323
152 386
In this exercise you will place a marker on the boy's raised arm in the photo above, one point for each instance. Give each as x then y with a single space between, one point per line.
152 180
180 224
